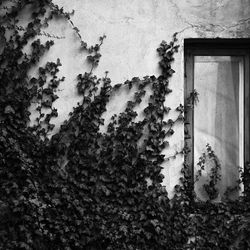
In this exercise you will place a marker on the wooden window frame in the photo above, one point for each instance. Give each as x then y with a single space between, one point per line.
215 47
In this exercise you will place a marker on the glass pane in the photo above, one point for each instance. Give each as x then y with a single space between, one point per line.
218 121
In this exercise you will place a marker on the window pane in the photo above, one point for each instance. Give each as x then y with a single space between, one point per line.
218 119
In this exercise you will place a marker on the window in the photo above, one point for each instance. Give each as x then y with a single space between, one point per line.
218 69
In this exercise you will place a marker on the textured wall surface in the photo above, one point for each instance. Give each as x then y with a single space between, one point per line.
134 29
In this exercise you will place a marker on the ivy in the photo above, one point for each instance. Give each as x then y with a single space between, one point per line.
215 172
87 189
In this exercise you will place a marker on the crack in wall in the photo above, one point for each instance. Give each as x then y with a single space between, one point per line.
240 22
217 29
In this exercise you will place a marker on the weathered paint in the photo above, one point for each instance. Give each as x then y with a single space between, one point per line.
134 29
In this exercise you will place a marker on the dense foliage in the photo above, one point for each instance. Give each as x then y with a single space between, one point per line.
87 189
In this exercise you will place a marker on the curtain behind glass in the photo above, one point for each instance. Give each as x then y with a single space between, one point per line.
217 119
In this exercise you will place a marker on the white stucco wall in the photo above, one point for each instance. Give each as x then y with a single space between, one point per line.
134 30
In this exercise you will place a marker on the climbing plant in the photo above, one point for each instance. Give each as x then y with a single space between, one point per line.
84 188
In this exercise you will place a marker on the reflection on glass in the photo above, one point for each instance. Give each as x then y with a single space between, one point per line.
218 119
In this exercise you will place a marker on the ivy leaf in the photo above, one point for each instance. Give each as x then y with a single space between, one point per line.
117 86
84 45
167 109
47 103
170 122
76 29
9 110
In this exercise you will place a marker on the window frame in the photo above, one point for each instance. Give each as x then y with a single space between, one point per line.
215 47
